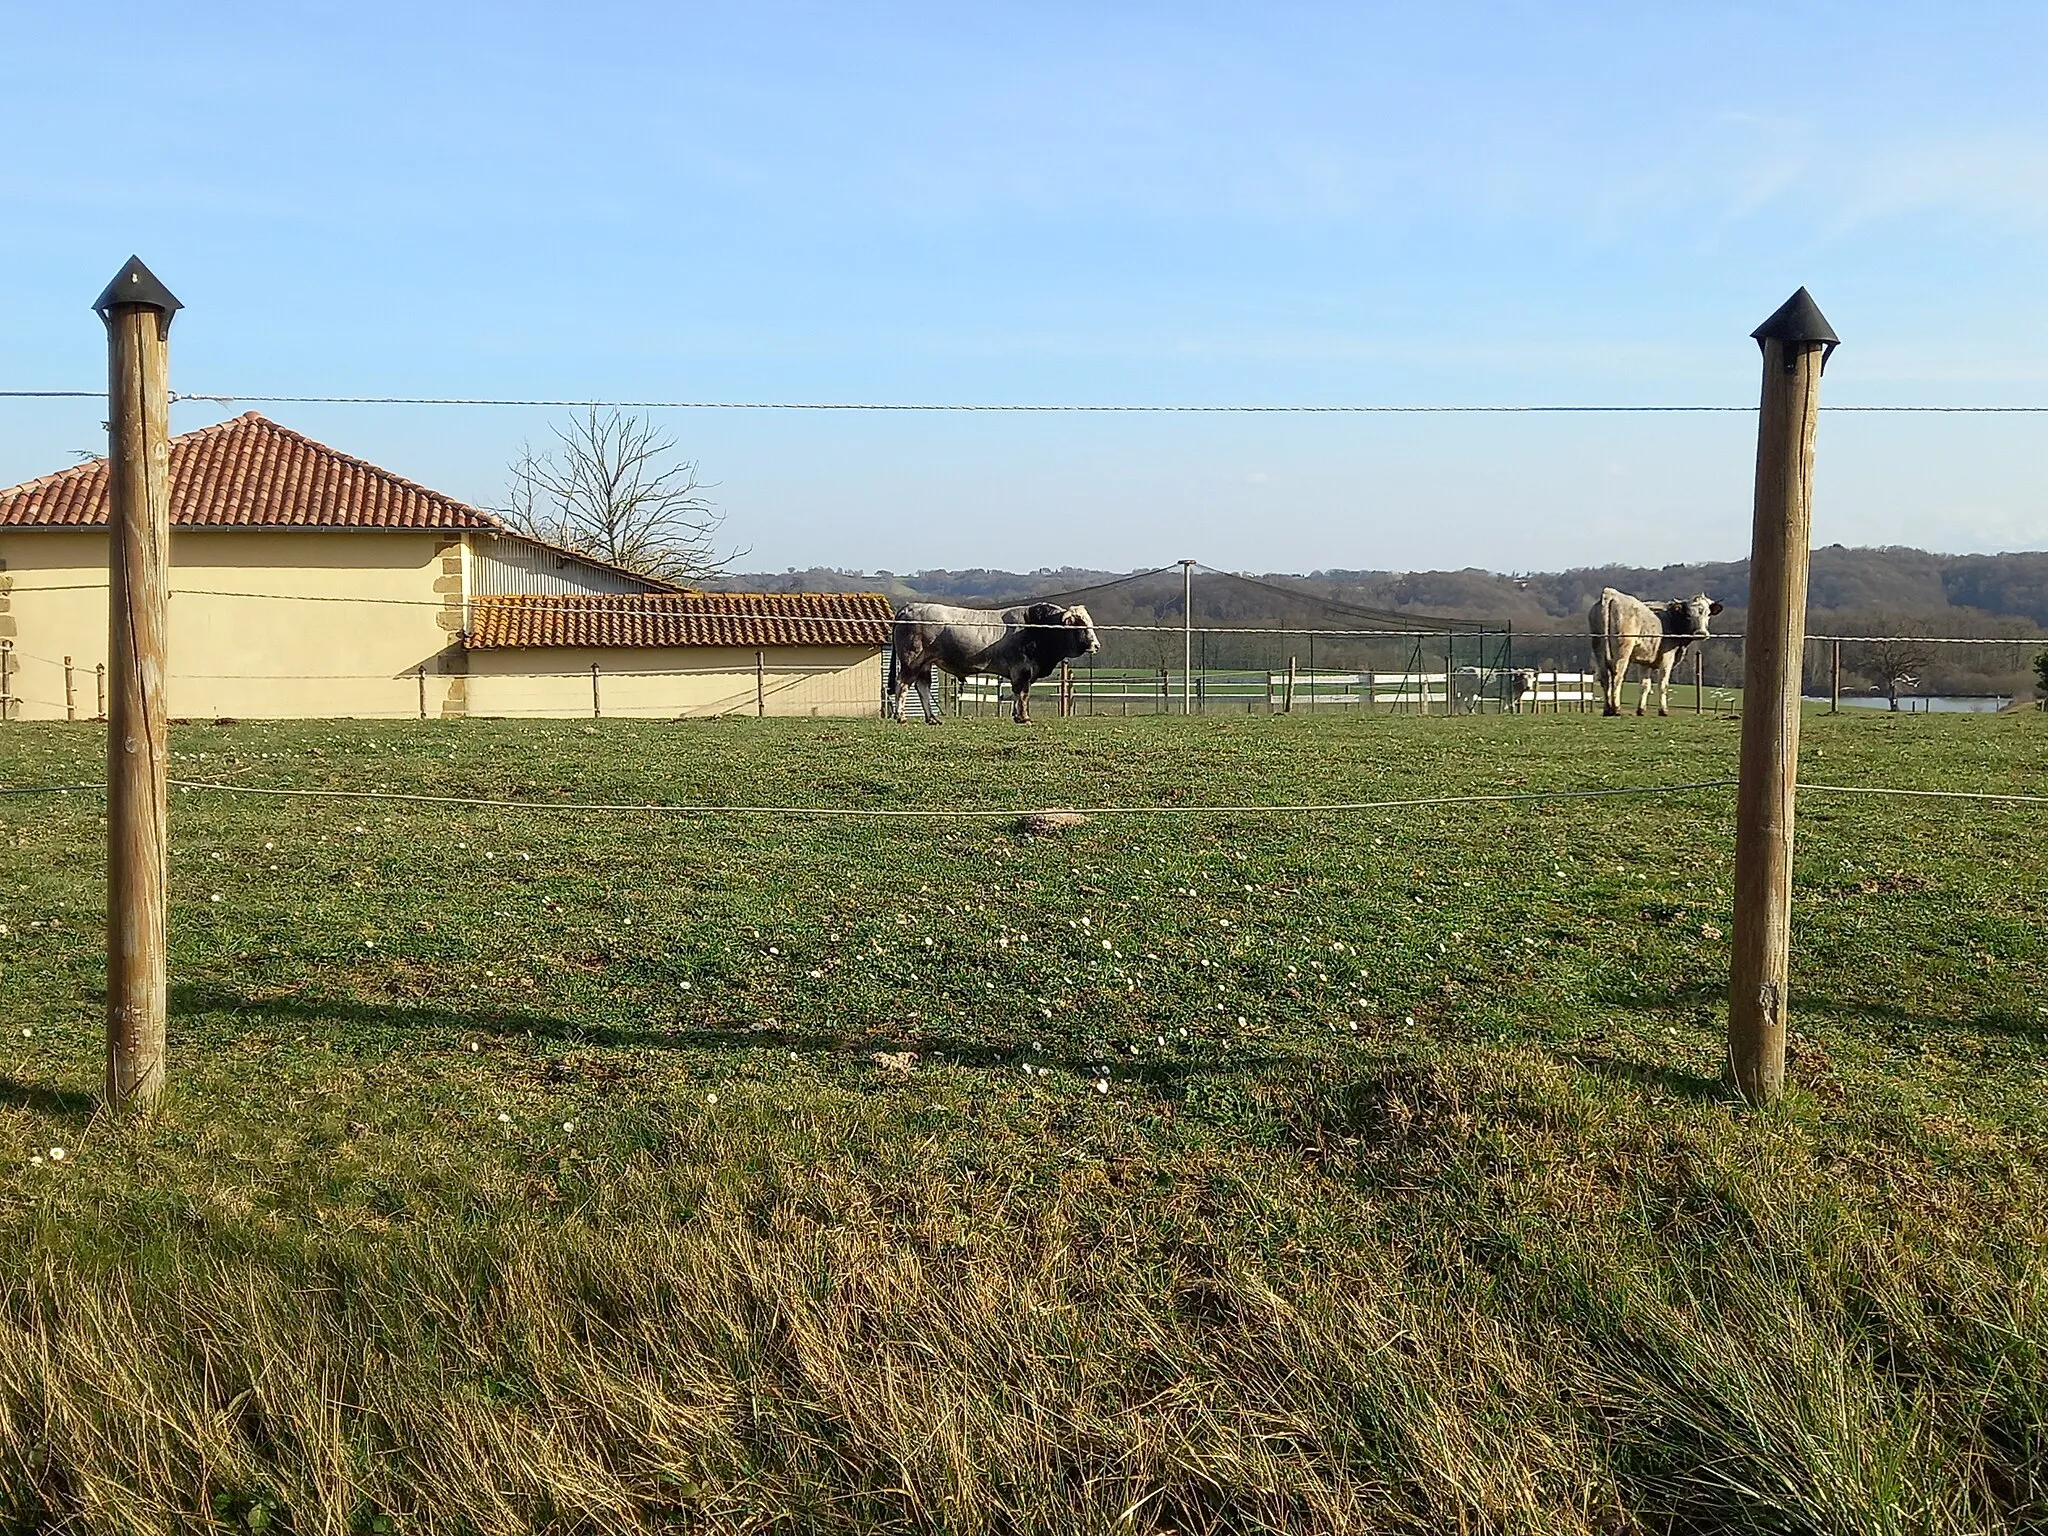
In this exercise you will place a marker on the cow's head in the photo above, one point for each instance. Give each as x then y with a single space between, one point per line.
1688 615
1076 618
1076 635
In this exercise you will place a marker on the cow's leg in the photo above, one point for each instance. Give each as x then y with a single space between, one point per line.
924 692
1611 682
1021 688
896 696
1664 682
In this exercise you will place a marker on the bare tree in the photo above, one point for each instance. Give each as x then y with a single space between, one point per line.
613 487
1895 655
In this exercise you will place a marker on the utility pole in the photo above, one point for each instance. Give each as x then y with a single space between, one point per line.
1796 342
137 312
1187 636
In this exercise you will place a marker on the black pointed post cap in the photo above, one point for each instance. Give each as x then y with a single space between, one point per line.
1799 319
136 284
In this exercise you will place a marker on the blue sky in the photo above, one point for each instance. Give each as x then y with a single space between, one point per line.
1454 203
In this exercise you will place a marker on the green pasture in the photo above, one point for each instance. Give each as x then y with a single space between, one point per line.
1239 1171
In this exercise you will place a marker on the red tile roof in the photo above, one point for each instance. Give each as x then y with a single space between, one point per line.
249 473
682 618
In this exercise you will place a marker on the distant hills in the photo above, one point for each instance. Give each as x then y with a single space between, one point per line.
1851 592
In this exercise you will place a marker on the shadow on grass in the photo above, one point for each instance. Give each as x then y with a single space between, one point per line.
196 999
65 1103
1673 1082
1636 993
1844 1012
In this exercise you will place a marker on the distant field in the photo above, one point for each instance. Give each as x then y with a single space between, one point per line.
1303 1172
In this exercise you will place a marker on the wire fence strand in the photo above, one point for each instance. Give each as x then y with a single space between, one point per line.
989 813
964 407
598 607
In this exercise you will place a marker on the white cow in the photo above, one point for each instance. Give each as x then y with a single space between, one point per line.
1626 629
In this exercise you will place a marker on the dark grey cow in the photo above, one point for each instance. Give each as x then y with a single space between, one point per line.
1626 629
1020 645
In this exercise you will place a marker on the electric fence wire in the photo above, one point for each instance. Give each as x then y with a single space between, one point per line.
183 396
987 813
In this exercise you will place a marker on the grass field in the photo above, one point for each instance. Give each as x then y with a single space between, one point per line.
1300 1172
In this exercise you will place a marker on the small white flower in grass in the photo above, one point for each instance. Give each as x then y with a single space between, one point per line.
1105 943
28 1034
1102 1085
526 857
503 1118
711 1098
684 986
569 1126
58 1154
474 1046
214 897
773 950
815 975
1409 1021
1240 1021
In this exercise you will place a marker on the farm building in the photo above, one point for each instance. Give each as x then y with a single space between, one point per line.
307 583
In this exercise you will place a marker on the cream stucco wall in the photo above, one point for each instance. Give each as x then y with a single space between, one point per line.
669 684
279 624
334 624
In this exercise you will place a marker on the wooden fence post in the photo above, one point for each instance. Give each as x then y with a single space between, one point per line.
1796 342
1290 685
423 691
70 692
1835 681
596 708
1699 679
100 687
760 684
6 680
137 311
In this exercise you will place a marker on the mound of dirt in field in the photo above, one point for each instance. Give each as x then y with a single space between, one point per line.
1046 823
